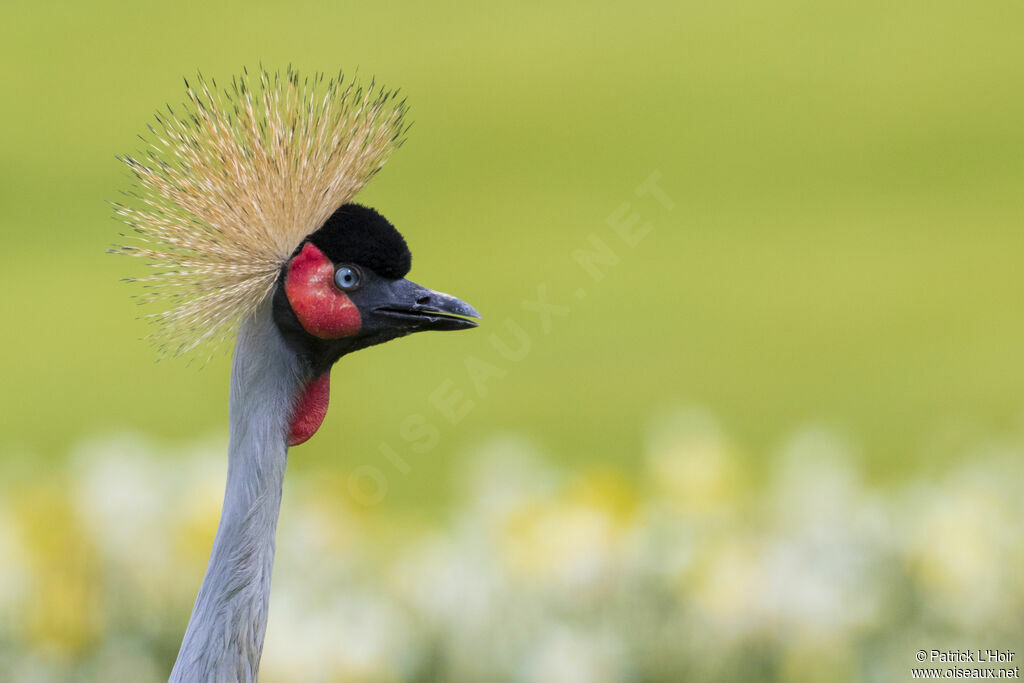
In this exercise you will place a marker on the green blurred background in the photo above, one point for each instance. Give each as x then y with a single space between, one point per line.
843 249
845 243
844 246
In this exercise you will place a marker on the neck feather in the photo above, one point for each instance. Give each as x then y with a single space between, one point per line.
224 638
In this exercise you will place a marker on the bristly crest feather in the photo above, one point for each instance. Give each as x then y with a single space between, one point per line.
233 181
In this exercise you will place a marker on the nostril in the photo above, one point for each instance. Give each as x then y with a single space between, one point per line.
423 300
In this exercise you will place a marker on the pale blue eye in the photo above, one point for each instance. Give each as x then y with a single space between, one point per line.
346 277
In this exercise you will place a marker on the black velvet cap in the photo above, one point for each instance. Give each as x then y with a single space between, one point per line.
358 234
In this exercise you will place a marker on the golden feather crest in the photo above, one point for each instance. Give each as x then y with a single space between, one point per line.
230 183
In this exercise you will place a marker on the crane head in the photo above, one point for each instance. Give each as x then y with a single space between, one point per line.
344 289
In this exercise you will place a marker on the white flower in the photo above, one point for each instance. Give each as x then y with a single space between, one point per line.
348 634
502 476
963 542
573 655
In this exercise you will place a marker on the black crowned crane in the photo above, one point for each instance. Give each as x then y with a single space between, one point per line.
243 202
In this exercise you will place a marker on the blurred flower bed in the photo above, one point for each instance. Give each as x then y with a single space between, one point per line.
700 569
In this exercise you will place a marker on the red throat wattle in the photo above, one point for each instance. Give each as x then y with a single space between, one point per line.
310 409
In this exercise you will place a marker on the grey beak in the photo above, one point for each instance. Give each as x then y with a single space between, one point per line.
415 307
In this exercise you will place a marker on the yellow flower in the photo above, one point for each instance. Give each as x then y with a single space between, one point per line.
65 611
575 539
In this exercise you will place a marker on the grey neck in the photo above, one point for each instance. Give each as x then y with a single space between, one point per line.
224 638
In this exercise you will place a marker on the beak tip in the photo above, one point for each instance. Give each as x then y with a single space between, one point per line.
446 303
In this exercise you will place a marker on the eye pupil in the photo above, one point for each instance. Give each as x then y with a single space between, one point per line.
346 277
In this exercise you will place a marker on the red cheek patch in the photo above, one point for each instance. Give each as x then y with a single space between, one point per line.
310 410
323 310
